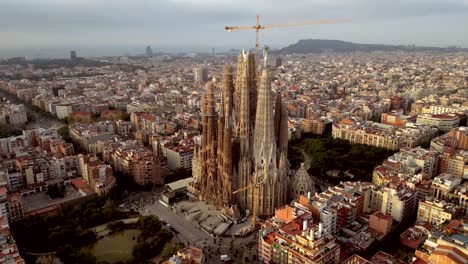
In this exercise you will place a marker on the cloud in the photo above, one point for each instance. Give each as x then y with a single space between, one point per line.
201 22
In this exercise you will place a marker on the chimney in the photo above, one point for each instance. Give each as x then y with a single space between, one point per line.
311 234
304 228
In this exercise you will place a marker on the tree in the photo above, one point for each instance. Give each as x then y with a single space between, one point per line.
177 174
83 256
149 225
56 191
68 228
151 240
327 154
9 131
116 226
64 132
170 250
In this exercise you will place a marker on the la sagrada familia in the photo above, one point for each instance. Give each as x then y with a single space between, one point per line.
244 143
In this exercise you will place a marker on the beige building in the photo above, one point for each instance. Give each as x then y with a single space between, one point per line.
138 107
315 126
188 255
13 114
457 165
380 222
97 175
63 111
436 212
138 162
291 238
15 208
444 122
399 202
381 135
443 184
444 109
179 157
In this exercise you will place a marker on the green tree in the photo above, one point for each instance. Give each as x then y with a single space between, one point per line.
64 132
56 191
149 225
150 245
83 256
116 226
9 131
70 226
170 250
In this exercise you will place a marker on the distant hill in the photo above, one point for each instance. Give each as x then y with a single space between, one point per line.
321 45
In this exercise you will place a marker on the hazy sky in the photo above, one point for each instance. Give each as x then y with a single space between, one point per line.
200 23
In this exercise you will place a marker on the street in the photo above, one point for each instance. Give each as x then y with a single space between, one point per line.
188 233
38 120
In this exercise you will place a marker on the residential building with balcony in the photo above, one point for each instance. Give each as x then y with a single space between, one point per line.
444 122
292 237
436 212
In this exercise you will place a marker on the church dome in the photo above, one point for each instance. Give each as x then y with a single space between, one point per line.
301 183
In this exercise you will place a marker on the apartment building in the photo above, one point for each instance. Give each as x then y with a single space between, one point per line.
63 110
436 212
13 114
399 202
291 236
381 135
97 174
316 126
137 161
179 157
444 109
396 118
9 252
444 122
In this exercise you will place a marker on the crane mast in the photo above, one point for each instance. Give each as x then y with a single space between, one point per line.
254 188
257 28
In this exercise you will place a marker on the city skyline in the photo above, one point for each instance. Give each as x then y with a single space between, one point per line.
130 133
182 24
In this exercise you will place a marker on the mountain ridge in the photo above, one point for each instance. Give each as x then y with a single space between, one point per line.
304 46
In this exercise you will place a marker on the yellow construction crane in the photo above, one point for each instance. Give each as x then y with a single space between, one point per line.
254 188
257 27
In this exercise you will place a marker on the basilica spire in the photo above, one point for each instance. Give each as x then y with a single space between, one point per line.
244 142
264 137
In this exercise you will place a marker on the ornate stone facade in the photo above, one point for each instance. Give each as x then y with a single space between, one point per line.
301 183
244 144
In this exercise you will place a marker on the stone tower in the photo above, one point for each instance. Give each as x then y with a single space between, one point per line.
273 182
243 143
245 128
301 183
208 171
225 162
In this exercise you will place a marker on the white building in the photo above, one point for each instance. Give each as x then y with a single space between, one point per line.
63 111
13 114
399 203
444 122
179 157
443 109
